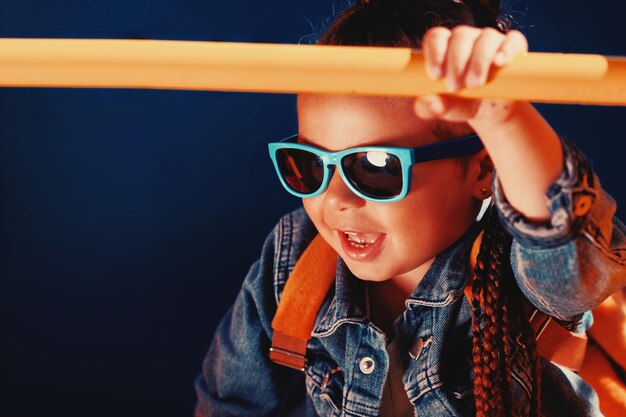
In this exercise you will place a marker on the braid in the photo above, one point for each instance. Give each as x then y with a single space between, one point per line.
480 394
487 328
530 341
496 317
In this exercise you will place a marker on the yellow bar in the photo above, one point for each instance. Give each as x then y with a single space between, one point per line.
276 68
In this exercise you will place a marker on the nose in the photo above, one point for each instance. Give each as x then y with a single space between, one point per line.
338 196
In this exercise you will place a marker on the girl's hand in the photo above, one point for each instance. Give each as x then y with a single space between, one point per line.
524 148
464 57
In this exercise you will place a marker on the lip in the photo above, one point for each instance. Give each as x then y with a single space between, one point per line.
367 253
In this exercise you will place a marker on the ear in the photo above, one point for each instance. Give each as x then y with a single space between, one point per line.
480 174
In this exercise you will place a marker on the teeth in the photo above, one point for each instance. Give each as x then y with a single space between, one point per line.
361 239
354 237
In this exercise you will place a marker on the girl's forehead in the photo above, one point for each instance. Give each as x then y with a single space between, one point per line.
339 122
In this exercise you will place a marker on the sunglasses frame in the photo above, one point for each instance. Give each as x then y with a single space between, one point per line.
452 148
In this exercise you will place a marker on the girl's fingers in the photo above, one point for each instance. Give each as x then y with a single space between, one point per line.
485 49
460 49
464 56
429 107
453 109
513 44
434 47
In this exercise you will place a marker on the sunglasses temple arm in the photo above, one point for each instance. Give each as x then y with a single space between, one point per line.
452 148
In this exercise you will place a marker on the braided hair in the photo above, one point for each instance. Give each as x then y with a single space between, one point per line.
498 317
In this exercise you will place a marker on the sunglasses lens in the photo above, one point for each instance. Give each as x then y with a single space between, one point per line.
376 174
302 170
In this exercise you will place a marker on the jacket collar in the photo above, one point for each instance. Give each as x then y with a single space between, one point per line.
446 278
443 283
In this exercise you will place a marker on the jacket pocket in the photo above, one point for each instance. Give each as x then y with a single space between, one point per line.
459 395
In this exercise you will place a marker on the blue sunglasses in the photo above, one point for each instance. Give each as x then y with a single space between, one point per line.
374 173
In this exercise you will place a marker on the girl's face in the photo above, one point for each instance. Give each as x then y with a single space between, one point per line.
380 241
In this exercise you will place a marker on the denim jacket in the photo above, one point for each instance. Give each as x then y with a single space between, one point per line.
564 268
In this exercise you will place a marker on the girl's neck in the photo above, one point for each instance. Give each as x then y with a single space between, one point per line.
387 298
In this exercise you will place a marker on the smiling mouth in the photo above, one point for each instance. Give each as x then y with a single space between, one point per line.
361 246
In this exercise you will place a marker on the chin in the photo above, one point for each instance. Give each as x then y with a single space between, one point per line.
366 273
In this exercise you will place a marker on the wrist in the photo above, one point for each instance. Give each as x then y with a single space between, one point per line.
527 154
500 116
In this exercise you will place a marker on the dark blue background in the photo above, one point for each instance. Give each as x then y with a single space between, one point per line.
126 229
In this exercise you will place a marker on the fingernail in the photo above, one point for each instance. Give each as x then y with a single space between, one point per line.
433 72
500 58
434 103
452 85
473 81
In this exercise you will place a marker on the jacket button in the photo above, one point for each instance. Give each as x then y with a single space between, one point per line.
367 365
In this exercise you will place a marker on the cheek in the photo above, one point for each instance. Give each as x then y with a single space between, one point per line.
310 208
434 204
437 185
314 208
409 223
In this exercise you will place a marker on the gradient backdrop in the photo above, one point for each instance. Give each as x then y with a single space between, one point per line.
129 218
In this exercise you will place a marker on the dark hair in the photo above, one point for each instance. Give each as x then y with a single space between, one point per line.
498 318
404 22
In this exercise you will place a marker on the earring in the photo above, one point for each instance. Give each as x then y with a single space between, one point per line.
483 190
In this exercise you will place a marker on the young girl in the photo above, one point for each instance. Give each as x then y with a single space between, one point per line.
396 335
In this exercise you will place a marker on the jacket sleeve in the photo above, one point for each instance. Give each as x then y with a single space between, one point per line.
238 378
578 259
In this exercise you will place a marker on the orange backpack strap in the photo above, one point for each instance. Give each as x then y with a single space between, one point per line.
557 344
302 298
554 342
